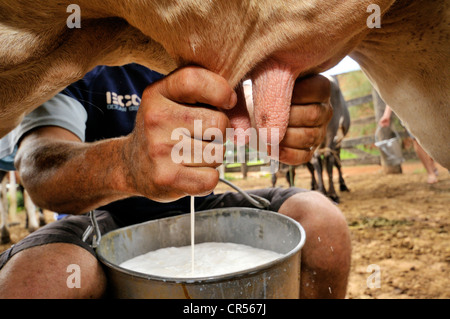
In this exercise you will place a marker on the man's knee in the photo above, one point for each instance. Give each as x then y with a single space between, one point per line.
325 225
312 206
327 251
52 271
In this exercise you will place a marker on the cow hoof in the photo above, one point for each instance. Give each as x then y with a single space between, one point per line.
32 229
5 238
344 188
334 198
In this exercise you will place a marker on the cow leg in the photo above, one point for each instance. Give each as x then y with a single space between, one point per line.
35 216
32 218
274 179
329 163
317 162
12 208
41 217
342 186
310 167
290 175
293 176
4 232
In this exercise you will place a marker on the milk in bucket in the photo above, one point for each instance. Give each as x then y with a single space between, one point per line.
209 259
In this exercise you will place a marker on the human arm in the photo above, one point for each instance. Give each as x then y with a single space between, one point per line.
69 176
66 175
385 120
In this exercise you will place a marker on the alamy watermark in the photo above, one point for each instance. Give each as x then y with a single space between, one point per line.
374 20
74 19
74 279
259 142
374 280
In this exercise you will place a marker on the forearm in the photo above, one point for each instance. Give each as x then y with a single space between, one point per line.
73 177
387 112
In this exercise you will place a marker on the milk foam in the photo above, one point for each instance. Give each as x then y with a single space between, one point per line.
211 259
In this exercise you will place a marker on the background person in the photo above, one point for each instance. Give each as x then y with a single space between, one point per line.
426 160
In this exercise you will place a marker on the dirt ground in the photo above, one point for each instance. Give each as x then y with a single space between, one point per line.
398 223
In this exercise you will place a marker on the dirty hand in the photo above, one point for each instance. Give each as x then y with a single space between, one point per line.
171 105
310 114
385 121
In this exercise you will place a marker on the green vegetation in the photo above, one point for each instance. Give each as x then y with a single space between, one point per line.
253 163
354 84
373 150
347 155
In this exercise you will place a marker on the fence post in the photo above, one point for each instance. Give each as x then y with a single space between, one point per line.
244 168
379 105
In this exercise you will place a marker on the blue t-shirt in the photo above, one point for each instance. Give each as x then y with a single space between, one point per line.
110 97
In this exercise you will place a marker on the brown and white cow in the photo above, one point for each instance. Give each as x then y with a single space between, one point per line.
270 41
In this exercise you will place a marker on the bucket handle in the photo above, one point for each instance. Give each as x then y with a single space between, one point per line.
94 226
255 200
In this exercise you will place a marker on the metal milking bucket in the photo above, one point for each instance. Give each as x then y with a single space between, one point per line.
391 148
249 226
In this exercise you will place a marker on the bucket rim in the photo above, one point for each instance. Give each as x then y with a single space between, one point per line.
208 279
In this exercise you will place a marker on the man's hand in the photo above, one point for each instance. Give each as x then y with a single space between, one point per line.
173 103
311 112
169 104
385 120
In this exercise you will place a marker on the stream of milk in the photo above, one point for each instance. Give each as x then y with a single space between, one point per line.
192 235
199 260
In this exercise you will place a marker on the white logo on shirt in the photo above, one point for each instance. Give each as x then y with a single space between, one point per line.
122 102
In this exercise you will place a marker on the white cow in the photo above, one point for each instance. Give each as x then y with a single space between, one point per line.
270 41
34 217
